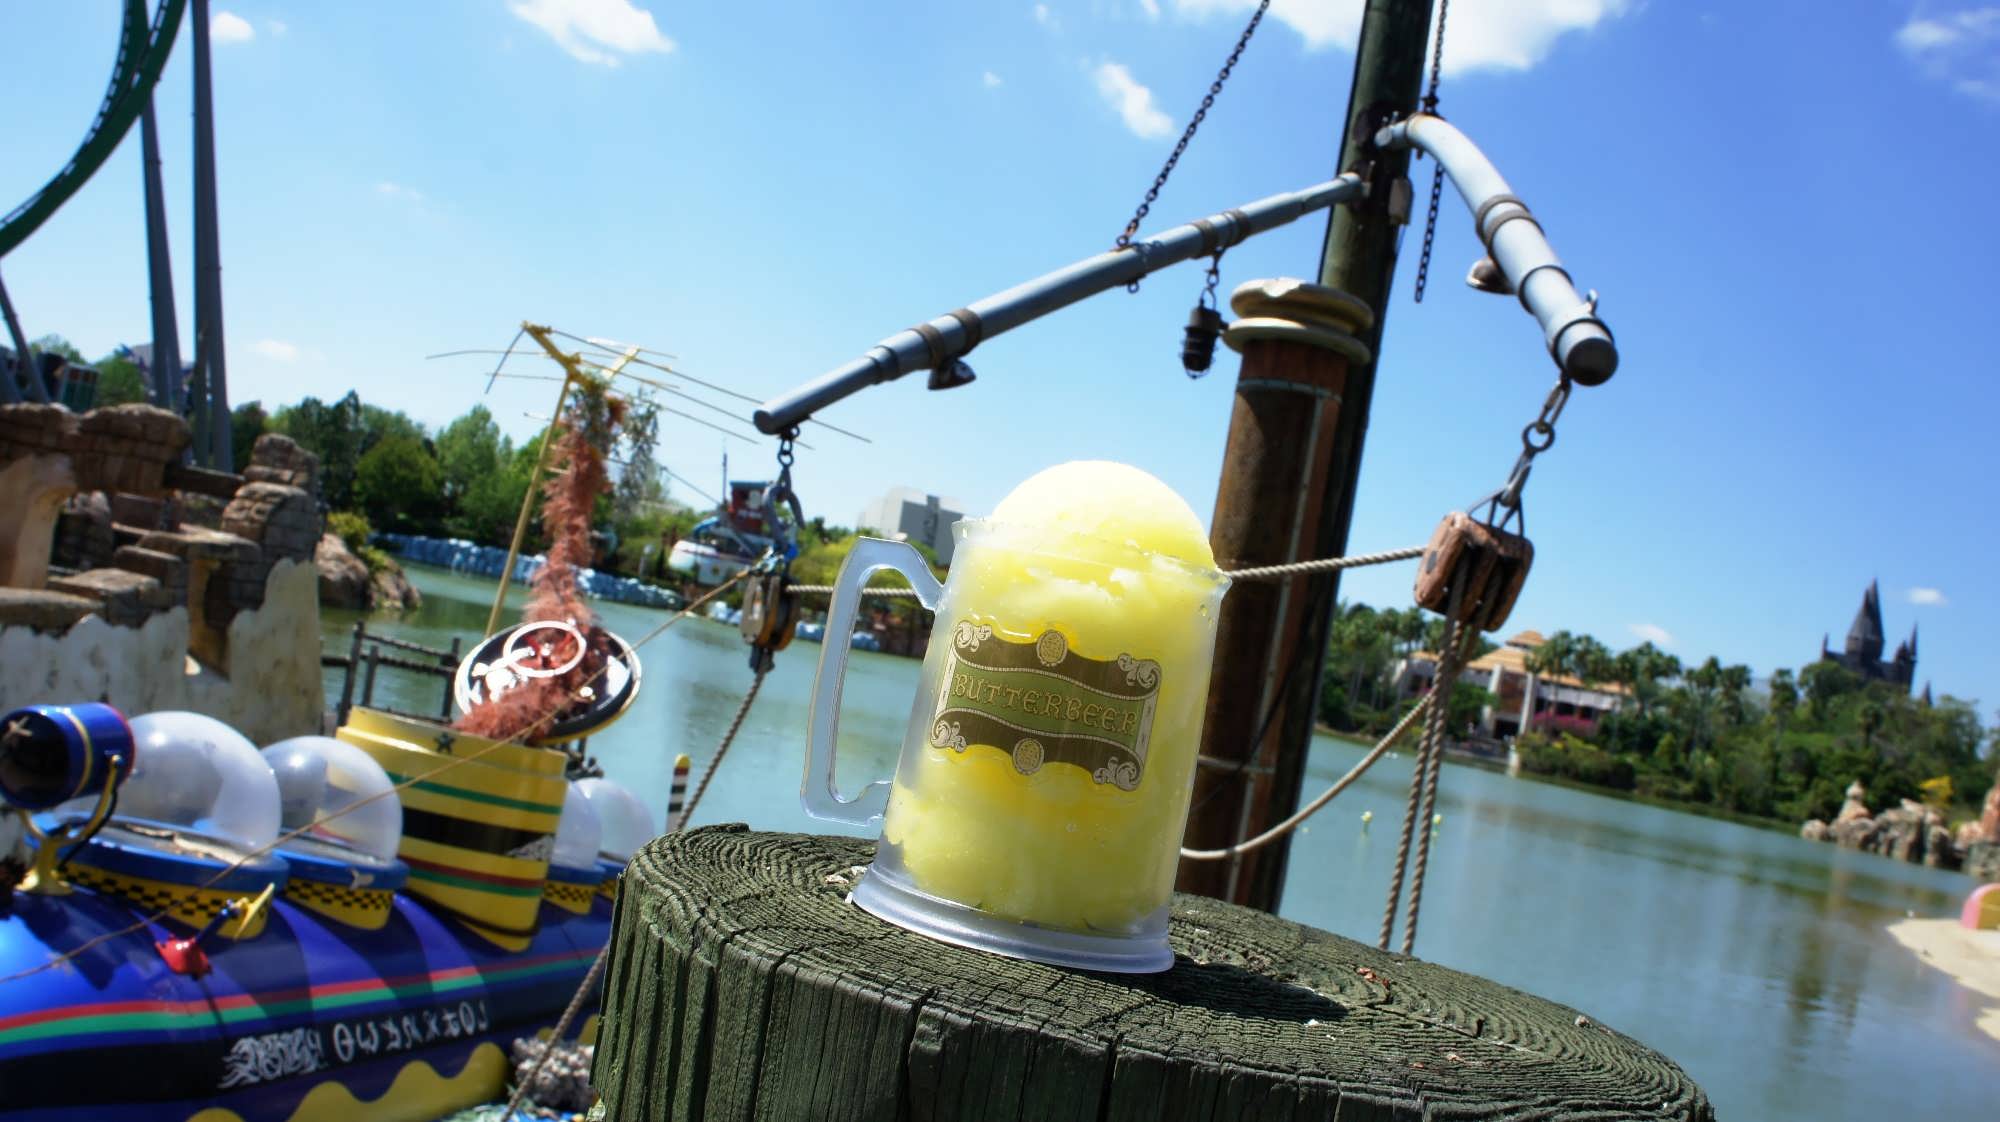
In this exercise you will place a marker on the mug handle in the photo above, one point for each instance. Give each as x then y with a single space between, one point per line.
817 791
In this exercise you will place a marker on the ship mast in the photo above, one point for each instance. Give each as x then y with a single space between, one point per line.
1271 648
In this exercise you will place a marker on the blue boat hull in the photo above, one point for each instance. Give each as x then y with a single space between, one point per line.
309 1020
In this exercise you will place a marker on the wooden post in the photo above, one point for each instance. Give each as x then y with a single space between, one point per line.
1282 442
450 663
1282 636
368 679
743 986
347 683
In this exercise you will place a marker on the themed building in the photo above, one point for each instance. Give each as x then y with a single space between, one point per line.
1863 652
1521 698
916 516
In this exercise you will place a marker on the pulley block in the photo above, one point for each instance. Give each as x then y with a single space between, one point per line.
1472 571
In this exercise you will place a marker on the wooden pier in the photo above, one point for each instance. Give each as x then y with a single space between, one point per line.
743 986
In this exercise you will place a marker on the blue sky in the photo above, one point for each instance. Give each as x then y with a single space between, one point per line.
1786 208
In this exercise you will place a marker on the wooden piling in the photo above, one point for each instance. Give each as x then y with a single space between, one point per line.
742 986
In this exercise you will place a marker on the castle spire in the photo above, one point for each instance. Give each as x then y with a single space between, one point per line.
1864 638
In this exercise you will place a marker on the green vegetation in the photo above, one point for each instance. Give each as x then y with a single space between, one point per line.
1694 734
353 530
382 469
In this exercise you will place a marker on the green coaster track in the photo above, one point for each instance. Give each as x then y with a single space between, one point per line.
143 47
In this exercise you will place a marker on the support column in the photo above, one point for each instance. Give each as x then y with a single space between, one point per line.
211 404
166 372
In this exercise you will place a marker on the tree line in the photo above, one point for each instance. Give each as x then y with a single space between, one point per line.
1699 733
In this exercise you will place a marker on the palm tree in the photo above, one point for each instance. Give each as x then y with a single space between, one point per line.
1590 660
1784 702
1641 669
1734 683
1700 687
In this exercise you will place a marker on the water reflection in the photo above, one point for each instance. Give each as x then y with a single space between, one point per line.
1757 961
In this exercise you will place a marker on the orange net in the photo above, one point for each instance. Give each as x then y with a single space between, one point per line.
582 436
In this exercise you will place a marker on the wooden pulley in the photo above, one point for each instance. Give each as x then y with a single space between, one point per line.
769 613
1485 565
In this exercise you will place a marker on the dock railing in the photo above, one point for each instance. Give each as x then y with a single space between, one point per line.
365 653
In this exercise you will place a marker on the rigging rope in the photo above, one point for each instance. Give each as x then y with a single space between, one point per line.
1446 677
1260 572
1433 758
1288 825
597 967
728 738
569 1013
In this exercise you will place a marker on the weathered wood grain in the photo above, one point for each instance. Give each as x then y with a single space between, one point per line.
742 986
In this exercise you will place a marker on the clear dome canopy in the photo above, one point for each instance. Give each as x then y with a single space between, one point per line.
578 834
324 785
198 774
627 824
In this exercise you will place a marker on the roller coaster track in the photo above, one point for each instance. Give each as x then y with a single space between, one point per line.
143 47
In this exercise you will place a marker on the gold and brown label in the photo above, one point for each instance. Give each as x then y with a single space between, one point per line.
1039 702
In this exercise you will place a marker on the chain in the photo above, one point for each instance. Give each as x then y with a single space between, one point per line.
781 491
1214 278
1437 169
1207 103
1538 437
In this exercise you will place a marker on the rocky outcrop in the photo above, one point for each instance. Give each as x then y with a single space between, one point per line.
391 589
345 582
1909 832
343 579
1982 860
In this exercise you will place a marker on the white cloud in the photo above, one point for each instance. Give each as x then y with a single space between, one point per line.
1960 48
276 349
390 190
277 26
1928 597
1045 17
1133 101
595 31
1151 7
991 79
1652 633
228 27
1480 35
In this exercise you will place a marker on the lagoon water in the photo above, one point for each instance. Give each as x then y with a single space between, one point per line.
1757 961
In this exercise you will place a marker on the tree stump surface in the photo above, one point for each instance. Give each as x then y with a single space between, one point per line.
742 985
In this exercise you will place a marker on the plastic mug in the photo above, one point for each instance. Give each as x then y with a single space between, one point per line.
1043 785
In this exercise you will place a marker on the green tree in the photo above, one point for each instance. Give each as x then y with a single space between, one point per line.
397 483
332 432
1642 668
119 381
1825 683
56 345
470 449
247 422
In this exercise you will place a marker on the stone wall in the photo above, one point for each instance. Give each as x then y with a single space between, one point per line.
272 691
146 607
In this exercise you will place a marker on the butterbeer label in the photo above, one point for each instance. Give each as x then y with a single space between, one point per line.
1041 702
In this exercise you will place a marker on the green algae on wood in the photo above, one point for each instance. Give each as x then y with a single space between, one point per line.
743 986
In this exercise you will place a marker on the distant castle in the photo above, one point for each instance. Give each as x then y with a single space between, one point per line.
1863 655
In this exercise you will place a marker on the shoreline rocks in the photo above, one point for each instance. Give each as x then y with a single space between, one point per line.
1914 833
345 582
